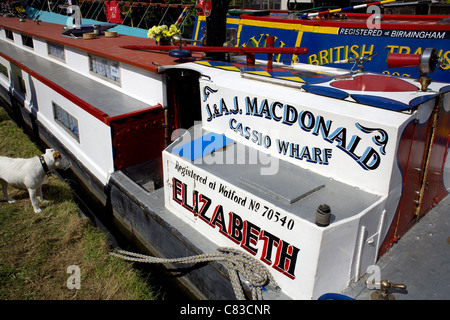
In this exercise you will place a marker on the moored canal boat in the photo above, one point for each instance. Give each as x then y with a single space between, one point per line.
313 171
337 35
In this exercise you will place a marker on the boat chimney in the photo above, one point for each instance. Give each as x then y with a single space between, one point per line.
426 63
323 215
216 25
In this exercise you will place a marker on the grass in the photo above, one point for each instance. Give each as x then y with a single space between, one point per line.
37 249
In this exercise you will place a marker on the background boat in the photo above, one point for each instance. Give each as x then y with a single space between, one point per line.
334 38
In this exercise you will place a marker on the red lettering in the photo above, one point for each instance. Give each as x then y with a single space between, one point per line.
192 208
269 242
177 187
218 219
251 237
235 227
242 232
206 204
286 259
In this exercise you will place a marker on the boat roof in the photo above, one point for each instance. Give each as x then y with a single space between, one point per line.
76 87
107 47
111 104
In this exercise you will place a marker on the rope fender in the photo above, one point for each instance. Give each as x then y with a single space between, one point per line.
235 261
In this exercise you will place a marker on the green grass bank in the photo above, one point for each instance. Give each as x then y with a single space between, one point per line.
41 253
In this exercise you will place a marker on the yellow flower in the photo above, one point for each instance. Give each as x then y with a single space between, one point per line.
158 32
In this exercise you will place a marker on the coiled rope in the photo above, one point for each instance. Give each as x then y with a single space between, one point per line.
234 260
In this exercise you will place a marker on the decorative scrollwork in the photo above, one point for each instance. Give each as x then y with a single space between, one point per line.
207 91
381 139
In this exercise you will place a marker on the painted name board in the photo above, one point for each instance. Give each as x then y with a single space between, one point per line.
246 115
236 216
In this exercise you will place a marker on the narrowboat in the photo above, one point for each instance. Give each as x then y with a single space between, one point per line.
335 37
309 175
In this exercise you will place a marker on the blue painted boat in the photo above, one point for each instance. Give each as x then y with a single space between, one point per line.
333 40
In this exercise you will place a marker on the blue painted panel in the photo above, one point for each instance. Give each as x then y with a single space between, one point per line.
326 91
380 102
202 146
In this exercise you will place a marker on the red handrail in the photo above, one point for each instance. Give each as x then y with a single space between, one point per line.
241 50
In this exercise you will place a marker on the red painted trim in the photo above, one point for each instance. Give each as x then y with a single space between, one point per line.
397 17
134 113
241 50
98 50
388 22
445 156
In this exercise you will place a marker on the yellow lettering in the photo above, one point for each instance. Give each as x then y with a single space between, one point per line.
323 56
338 52
418 51
391 48
446 66
364 52
397 74
352 50
254 42
312 59
280 45
405 50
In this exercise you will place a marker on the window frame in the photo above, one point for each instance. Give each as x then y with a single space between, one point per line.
94 62
57 111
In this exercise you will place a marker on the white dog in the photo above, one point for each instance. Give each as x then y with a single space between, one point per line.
30 174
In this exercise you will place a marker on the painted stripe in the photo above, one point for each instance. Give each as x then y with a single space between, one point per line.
314 14
326 91
419 100
380 102
272 24
391 22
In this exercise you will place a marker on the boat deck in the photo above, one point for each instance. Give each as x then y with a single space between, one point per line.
420 260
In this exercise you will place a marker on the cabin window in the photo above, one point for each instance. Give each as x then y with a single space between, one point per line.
27 41
56 51
4 71
105 68
66 121
9 34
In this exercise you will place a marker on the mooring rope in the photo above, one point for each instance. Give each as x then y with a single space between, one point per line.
235 261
